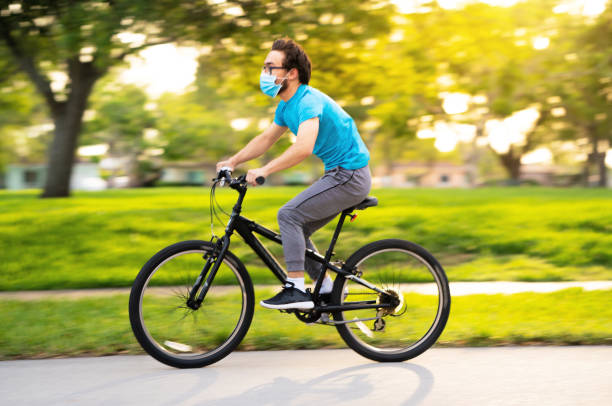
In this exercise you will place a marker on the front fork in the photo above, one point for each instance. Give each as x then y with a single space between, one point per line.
214 260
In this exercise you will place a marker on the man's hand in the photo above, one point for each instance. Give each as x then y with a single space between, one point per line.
227 163
253 174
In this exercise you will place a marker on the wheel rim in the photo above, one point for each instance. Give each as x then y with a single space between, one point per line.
411 278
180 332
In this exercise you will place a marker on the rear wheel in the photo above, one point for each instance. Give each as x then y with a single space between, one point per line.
415 286
172 332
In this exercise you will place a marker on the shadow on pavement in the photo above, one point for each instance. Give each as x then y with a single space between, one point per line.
344 385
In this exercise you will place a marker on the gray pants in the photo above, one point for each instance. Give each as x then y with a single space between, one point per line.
320 203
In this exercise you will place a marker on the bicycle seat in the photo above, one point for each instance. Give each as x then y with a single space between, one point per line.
369 201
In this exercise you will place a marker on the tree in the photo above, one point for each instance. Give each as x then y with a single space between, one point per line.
338 37
85 38
404 89
190 131
121 120
491 52
584 90
20 108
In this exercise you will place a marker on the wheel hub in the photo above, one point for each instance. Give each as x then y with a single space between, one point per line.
391 298
193 304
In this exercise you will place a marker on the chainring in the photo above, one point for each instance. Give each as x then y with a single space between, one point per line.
307 317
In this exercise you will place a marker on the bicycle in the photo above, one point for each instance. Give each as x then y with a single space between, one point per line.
200 322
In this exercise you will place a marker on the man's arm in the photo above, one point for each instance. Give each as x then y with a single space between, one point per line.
296 153
256 147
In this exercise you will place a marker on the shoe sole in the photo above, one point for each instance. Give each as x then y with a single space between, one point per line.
296 305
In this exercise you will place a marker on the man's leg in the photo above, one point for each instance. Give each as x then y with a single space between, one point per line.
317 205
312 267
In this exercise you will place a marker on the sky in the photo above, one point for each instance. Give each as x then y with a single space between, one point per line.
162 68
169 68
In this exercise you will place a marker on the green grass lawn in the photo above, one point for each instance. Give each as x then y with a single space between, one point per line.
97 326
101 239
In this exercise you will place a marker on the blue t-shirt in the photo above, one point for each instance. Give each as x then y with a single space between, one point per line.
338 142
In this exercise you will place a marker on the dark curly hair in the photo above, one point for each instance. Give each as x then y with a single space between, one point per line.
295 57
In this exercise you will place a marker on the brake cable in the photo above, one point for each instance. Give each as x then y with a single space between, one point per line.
213 210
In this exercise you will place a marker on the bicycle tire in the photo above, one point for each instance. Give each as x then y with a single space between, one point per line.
160 351
340 291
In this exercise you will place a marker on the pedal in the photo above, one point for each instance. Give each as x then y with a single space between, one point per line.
379 324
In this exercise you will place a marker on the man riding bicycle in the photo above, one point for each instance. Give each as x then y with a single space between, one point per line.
322 128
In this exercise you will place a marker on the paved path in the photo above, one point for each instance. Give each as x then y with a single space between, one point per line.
446 376
457 289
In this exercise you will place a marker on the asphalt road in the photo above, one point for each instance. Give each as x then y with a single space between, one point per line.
445 376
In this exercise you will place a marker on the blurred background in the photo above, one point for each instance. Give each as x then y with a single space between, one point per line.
489 125
458 93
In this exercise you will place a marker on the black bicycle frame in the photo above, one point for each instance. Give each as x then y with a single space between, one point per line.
247 228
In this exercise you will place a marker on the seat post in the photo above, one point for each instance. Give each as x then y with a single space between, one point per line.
330 252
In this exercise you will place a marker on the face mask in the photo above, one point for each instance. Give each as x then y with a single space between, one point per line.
267 84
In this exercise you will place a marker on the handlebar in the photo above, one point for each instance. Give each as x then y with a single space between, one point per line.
225 175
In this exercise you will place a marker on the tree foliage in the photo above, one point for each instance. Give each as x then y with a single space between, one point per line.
390 71
121 121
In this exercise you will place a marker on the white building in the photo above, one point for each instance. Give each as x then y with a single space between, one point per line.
85 176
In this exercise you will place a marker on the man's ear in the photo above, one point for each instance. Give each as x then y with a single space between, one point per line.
294 74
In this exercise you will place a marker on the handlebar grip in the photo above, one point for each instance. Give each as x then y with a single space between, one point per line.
260 180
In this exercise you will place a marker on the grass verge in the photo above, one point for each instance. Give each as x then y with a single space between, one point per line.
102 239
100 326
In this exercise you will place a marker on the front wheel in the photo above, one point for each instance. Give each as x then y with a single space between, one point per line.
416 293
172 332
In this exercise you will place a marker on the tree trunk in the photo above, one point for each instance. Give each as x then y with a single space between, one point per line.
61 154
512 163
596 162
68 120
599 163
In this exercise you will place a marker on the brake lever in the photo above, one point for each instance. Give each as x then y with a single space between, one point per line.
225 174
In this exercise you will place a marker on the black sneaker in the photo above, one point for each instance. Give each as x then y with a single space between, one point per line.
289 298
